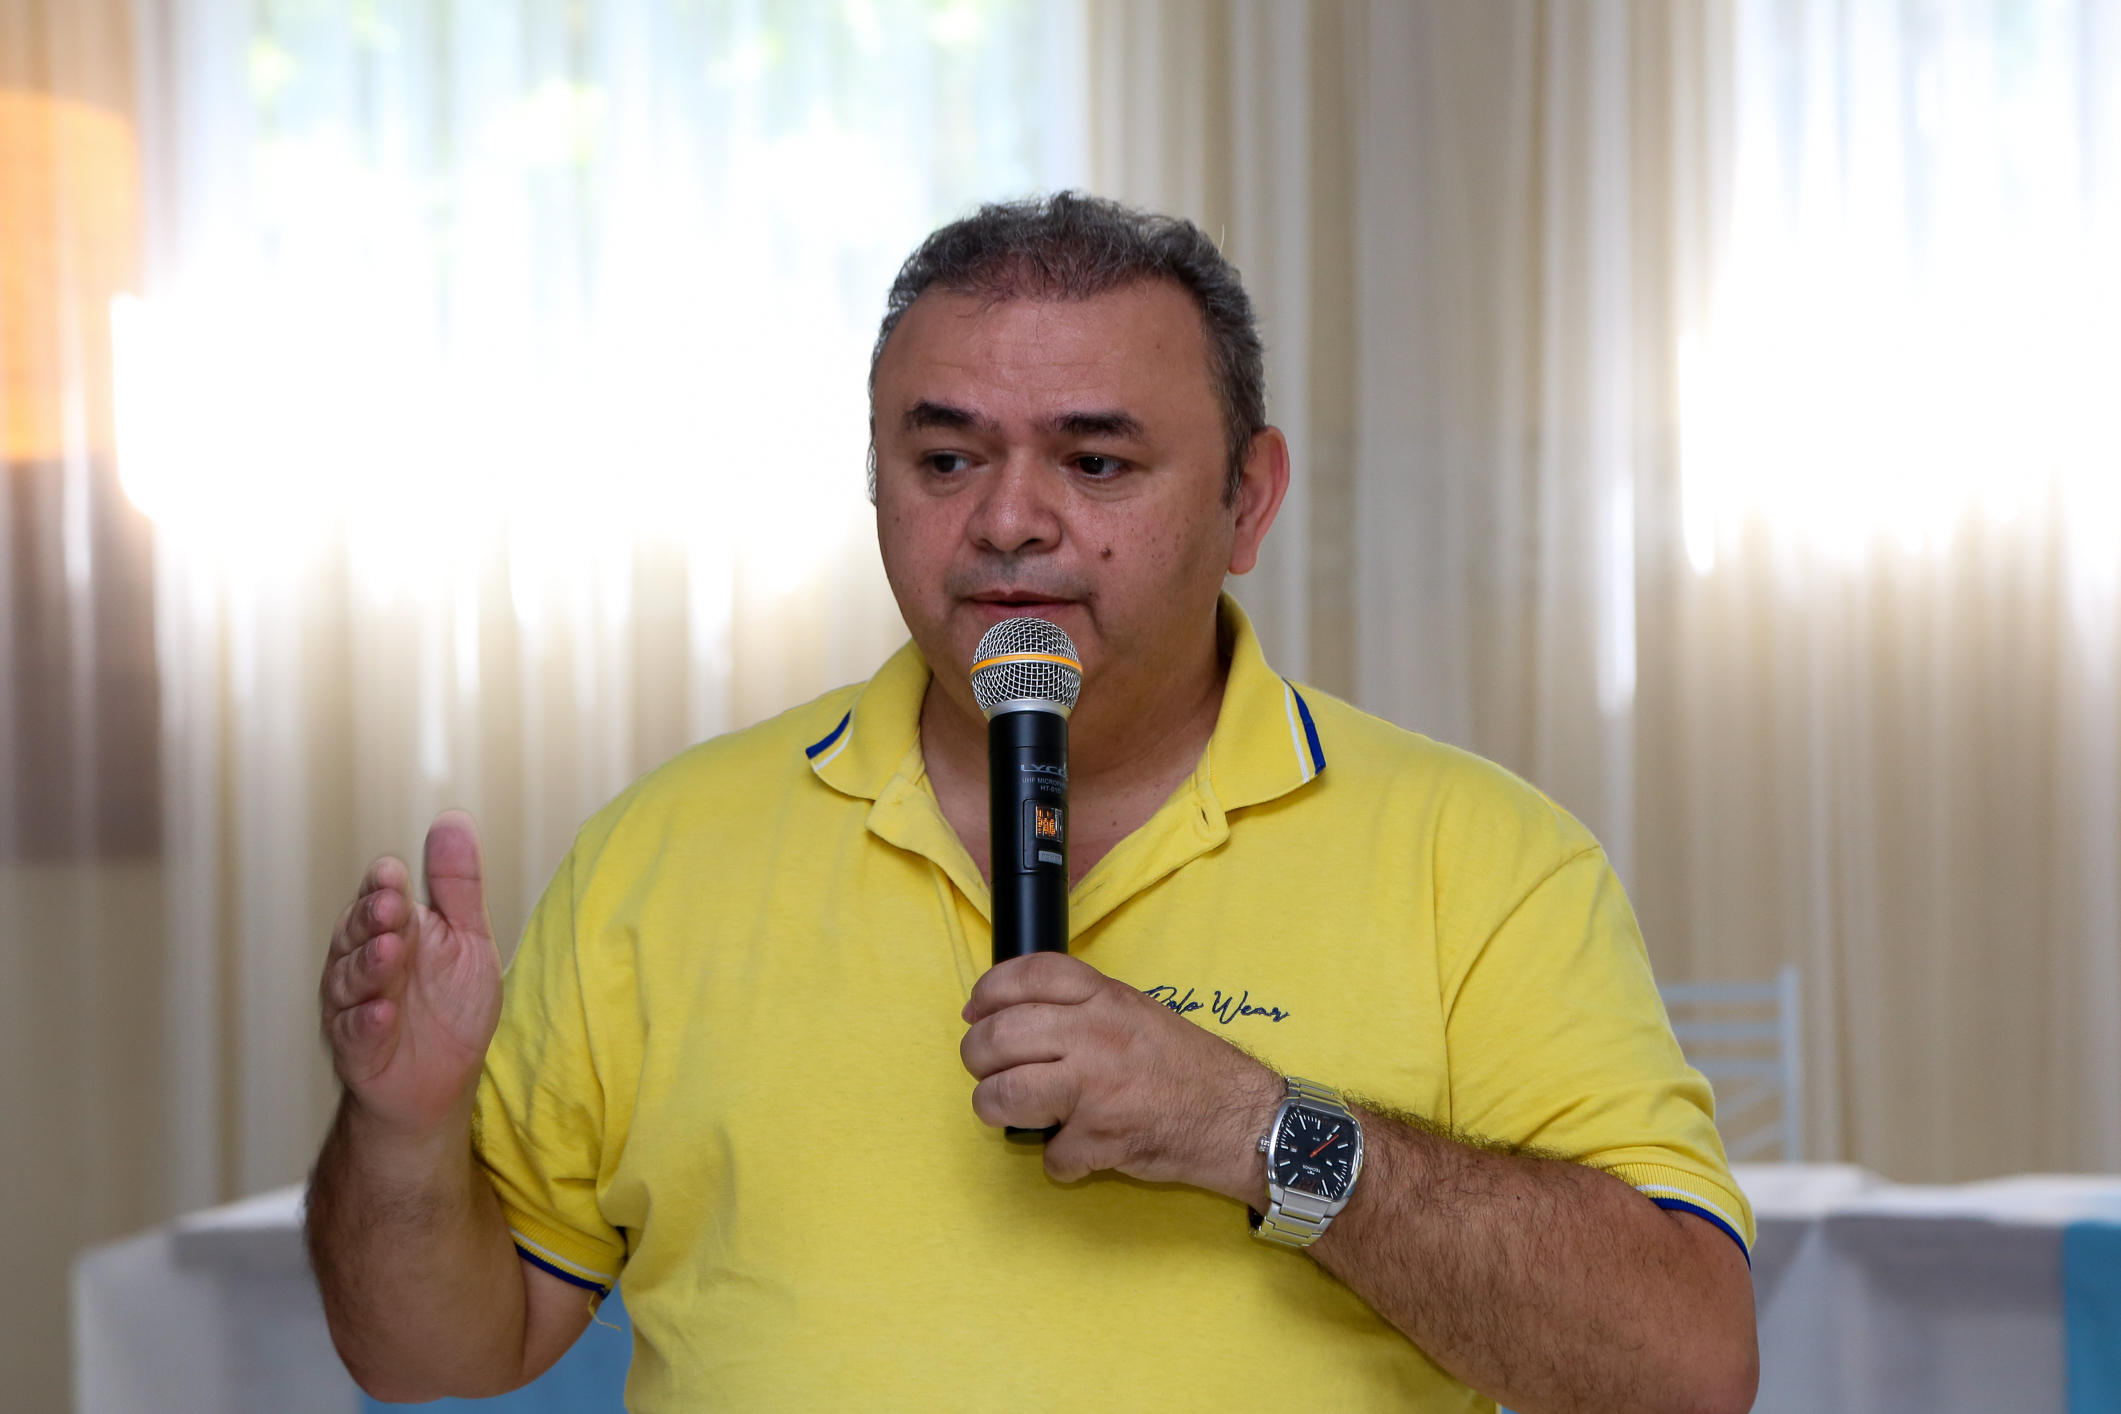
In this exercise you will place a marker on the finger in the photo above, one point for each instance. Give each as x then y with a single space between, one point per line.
1070 1156
388 872
363 1039
382 904
1039 977
1026 1097
375 969
456 883
1026 1034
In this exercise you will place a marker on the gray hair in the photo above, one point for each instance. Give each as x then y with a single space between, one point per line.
1070 246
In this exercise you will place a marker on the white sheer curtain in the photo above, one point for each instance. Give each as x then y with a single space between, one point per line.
498 397
496 391
1898 631
1706 410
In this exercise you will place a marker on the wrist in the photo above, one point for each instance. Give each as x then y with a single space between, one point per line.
404 1153
1240 1169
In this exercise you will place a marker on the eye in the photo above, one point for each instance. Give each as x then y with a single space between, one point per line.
1098 467
946 463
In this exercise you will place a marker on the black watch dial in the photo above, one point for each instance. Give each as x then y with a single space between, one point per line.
1315 1153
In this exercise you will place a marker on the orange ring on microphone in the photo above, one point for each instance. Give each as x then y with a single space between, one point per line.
1000 659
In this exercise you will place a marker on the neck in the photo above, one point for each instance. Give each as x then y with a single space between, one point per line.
1133 741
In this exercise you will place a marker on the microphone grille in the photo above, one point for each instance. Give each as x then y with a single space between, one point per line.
1026 657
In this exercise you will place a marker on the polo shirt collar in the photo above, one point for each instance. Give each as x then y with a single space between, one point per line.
858 752
1266 743
1264 746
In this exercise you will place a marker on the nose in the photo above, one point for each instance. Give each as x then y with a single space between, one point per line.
1015 514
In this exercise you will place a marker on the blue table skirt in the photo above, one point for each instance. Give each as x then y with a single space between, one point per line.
590 1378
2091 1313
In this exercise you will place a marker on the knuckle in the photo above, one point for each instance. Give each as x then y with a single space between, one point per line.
1007 1029
335 982
344 1029
1034 972
1007 1089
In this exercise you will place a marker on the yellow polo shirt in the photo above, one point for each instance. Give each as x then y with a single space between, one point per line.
727 1065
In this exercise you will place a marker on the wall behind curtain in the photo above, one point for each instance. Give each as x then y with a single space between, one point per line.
1496 247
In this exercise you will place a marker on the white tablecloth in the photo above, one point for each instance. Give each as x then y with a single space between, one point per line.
1881 1298
1874 1298
215 1314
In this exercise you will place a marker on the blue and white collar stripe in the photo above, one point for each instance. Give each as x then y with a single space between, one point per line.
1303 732
834 743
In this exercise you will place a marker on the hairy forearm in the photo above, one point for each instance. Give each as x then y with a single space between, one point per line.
1544 1284
421 1283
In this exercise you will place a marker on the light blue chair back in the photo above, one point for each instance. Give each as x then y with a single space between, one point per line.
1747 1038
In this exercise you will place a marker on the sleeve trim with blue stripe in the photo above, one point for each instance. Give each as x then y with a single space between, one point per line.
553 1268
1681 1205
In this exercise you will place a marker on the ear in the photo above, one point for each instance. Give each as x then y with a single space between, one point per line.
1259 496
872 457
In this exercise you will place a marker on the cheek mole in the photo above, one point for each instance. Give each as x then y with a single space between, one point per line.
1105 554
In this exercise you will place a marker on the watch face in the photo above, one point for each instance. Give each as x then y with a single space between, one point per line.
1315 1153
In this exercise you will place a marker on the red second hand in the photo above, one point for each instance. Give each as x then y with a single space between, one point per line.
1322 1148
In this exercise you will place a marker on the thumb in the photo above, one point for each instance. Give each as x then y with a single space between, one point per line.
456 880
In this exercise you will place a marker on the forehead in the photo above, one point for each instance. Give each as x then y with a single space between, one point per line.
1142 344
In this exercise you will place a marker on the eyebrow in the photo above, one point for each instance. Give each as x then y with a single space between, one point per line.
928 414
1097 424
1113 423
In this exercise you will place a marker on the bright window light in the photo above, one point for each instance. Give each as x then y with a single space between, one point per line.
461 271
1917 318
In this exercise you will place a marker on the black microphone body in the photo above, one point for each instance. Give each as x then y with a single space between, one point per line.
1026 677
1027 792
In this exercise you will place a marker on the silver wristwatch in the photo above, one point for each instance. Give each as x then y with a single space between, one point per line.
1314 1156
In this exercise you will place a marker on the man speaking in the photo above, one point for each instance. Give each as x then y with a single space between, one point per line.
752 1055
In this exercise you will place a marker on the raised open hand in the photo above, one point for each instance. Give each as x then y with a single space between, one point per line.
411 992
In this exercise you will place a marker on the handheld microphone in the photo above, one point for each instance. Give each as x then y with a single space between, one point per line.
1026 678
